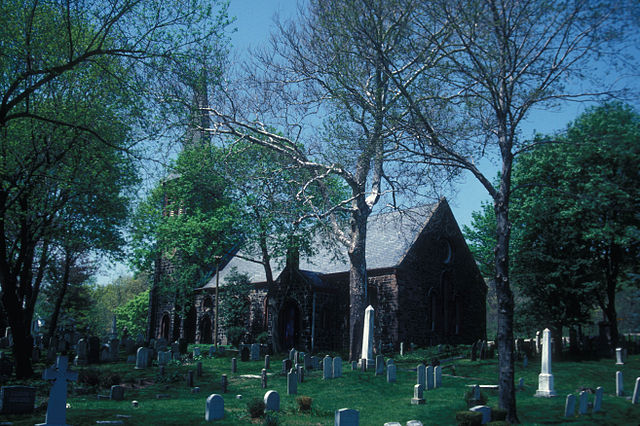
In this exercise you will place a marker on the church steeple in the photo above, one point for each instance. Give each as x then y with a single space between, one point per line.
199 119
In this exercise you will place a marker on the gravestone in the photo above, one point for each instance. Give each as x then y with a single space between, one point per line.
164 357
315 362
224 383
401 348
636 392
521 383
421 375
367 338
619 360
196 351
545 378
292 355
286 365
300 373
485 410
57 405
212 350
105 353
292 383
570 406
347 417
161 344
538 341
116 393
429 374
199 369
327 368
263 378
437 376
234 365
619 384
141 358
597 401
190 378
255 352
525 361
391 373
414 423
307 363
17 399
337 367
214 409
244 354
267 362
272 401
175 348
390 361
417 395
82 352
354 365
379 365
583 400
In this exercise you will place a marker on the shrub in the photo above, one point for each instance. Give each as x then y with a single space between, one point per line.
498 415
256 408
89 376
263 337
270 419
235 335
468 418
110 379
304 403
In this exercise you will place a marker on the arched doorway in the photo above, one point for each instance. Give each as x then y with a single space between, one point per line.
205 329
289 324
165 325
190 325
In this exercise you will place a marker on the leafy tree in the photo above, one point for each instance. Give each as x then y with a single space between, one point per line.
133 314
235 305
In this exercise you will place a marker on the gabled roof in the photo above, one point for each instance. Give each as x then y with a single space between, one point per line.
389 237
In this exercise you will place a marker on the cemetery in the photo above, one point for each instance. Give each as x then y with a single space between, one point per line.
438 385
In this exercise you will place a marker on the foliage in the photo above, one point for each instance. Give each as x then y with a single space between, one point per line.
468 418
304 403
256 408
133 314
234 300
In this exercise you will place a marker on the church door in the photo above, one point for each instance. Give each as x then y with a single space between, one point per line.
164 326
289 324
205 329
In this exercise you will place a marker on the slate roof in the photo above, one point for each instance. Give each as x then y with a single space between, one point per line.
389 237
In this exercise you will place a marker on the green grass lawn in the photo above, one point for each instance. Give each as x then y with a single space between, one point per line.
377 400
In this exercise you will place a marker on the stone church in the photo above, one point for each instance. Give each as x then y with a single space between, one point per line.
424 285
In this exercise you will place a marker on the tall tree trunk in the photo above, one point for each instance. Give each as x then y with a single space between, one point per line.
357 282
505 306
53 322
22 341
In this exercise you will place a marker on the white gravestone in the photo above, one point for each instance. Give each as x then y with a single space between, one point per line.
545 378
347 417
214 409
636 392
570 406
421 375
619 384
437 375
255 352
619 360
417 395
57 405
337 367
142 356
367 338
327 368
272 401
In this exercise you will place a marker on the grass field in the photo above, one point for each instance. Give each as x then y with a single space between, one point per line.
377 400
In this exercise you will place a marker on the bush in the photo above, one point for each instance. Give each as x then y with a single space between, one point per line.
89 376
468 397
256 408
468 418
235 335
304 403
110 380
498 415
271 419
262 338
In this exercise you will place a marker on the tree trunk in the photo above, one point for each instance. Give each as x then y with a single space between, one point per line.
505 308
53 323
22 341
357 283
556 333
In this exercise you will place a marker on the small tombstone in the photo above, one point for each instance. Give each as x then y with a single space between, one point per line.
597 402
299 372
215 408
199 369
401 348
272 401
437 376
307 363
327 368
196 351
255 352
390 361
347 417
315 362
117 393
636 392
414 423
224 383
263 378
570 406
525 361
17 399
391 373
429 376
392 424
292 355
82 352
583 400
485 410
141 358
292 383
417 395
267 362
164 357
131 359
175 348
337 367
190 378
619 360
105 354
354 365
379 365
286 365
212 350
421 375
619 384
521 383
234 365
57 405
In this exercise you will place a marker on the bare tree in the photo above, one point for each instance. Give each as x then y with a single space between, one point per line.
324 84
497 61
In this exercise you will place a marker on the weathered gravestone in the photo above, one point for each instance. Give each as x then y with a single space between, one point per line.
244 354
164 357
619 384
570 406
190 378
347 417
105 353
417 395
17 399
196 351
199 369
234 365
545 378
114 348
212 350
224 383
337 367
636 392
82 352
414 423
117 393
255 352
292 355
379 365
327 368
391 373
57 405
292 383
299 372
597 401
367 338
619 360
421 375
485 410
286 365
583 401
214 409
307 363
429 377
272 401
437 376
263 378
267 362
142 358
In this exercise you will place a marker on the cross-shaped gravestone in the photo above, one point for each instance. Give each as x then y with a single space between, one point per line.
57 406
